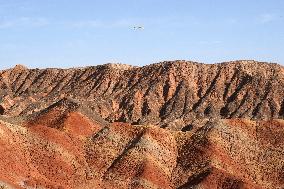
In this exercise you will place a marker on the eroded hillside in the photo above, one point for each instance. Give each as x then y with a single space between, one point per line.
80 152
167 92
168 125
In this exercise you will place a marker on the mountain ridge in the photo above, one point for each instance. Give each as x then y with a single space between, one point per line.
200 87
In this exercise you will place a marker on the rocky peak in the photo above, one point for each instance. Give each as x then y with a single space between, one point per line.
118 66
20 67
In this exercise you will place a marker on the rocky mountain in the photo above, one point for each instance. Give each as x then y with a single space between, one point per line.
169 125
158 93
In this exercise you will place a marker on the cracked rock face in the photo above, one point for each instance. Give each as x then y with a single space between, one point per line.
168 125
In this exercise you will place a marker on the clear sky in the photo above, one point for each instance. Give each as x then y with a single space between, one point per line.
73 33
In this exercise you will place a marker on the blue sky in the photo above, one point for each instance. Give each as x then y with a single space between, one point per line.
74 33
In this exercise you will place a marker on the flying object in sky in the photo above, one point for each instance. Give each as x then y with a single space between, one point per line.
138 28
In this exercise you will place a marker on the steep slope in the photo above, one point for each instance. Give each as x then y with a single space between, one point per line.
168 93
68 115
224 154
230 154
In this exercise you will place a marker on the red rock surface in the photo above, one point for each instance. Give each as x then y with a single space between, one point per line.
168 125
221 154
164 93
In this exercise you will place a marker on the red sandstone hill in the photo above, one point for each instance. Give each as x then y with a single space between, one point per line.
222 154
168 125
158 93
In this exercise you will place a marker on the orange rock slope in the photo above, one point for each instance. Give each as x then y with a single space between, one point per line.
66 129
84 154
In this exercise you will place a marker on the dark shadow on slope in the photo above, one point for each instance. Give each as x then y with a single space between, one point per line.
281 111
2 110
187 128
195 180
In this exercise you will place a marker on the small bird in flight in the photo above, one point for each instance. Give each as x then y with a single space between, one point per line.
138 28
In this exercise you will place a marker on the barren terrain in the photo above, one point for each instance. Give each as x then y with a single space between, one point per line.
168 125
